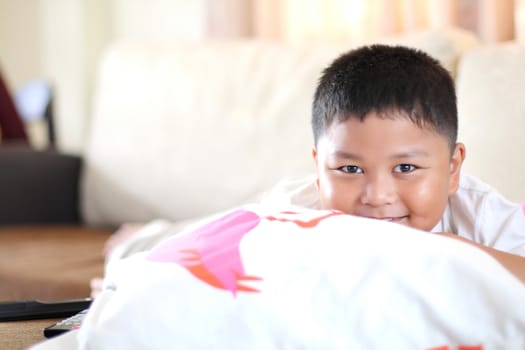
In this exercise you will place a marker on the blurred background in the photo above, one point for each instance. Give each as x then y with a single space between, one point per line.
60 41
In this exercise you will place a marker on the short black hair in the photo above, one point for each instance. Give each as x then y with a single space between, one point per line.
382 79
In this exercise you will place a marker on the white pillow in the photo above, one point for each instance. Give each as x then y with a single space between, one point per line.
309 280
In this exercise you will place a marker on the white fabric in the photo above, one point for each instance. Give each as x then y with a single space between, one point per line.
480 213
476 212
341 283
184 130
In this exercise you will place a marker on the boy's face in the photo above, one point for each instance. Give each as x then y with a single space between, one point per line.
388 169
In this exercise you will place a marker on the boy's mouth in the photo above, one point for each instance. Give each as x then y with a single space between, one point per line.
396 219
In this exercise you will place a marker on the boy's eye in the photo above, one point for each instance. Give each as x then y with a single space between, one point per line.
351 169
405 168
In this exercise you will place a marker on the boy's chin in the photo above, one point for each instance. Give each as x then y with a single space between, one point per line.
419 226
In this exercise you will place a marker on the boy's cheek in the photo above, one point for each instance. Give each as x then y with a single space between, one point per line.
327 191
334 195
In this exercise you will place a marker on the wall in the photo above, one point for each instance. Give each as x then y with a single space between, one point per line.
158 20
62 41
74 33
20 41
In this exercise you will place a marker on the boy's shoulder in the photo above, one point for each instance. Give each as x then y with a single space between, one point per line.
474 194
472 184
477 211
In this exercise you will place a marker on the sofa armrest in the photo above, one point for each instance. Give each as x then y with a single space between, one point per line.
38 186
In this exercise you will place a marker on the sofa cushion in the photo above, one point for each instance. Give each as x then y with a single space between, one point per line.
491 107
184 130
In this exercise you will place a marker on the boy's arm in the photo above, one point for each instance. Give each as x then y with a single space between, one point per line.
513 263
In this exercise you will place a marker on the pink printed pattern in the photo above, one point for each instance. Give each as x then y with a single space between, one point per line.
291 216
459 347
211 253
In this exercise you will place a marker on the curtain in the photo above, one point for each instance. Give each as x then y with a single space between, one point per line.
360 20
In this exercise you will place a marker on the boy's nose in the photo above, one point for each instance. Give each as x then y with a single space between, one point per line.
378 191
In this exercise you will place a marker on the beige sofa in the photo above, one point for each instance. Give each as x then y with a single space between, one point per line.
491 107
180 131
183 130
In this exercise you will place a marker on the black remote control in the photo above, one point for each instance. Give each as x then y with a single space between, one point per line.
36 309
66 325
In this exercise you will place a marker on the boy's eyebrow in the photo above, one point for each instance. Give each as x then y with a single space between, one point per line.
410 154
344 155
401 155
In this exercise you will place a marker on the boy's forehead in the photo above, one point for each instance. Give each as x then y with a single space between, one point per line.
383 116
387 113
376 129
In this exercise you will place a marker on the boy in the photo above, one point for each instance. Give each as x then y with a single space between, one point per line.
385 125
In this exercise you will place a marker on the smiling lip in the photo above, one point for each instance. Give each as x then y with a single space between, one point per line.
389 219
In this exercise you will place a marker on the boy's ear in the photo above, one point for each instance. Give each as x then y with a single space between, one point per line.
458 156
314 156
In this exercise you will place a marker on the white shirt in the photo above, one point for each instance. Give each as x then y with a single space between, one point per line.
476 211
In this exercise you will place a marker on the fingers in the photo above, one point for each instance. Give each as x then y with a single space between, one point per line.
96 285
